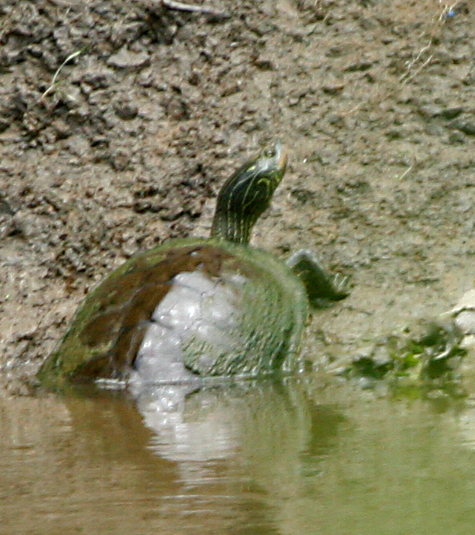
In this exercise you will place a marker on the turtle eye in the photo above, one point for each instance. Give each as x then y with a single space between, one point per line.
269 152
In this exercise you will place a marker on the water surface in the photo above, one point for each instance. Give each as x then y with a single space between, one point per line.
251 458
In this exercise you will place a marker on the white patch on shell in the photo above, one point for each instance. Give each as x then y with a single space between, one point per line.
195 307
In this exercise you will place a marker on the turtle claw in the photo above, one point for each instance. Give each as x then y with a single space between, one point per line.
342 285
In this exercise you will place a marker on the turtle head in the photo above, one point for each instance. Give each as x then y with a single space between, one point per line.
247 193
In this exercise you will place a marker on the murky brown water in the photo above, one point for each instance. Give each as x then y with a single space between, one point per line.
255 458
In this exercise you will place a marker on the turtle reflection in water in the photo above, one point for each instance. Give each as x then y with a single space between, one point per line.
196 308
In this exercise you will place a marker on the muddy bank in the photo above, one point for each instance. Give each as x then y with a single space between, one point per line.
118 123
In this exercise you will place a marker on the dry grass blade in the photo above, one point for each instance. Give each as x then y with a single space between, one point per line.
60 68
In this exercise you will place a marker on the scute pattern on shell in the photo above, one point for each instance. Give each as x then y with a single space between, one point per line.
261 337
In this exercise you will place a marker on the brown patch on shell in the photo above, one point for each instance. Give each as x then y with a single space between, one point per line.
126 304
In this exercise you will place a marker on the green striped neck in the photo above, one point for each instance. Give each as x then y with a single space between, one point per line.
247 193
232 227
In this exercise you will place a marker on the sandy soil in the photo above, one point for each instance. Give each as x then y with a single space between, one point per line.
120 120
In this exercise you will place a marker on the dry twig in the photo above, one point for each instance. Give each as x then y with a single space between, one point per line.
179 6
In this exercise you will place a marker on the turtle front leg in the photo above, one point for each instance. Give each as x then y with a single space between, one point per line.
321 285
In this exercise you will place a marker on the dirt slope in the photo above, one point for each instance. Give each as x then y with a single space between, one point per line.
119 121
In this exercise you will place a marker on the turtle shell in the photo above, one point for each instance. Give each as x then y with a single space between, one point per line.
184 310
